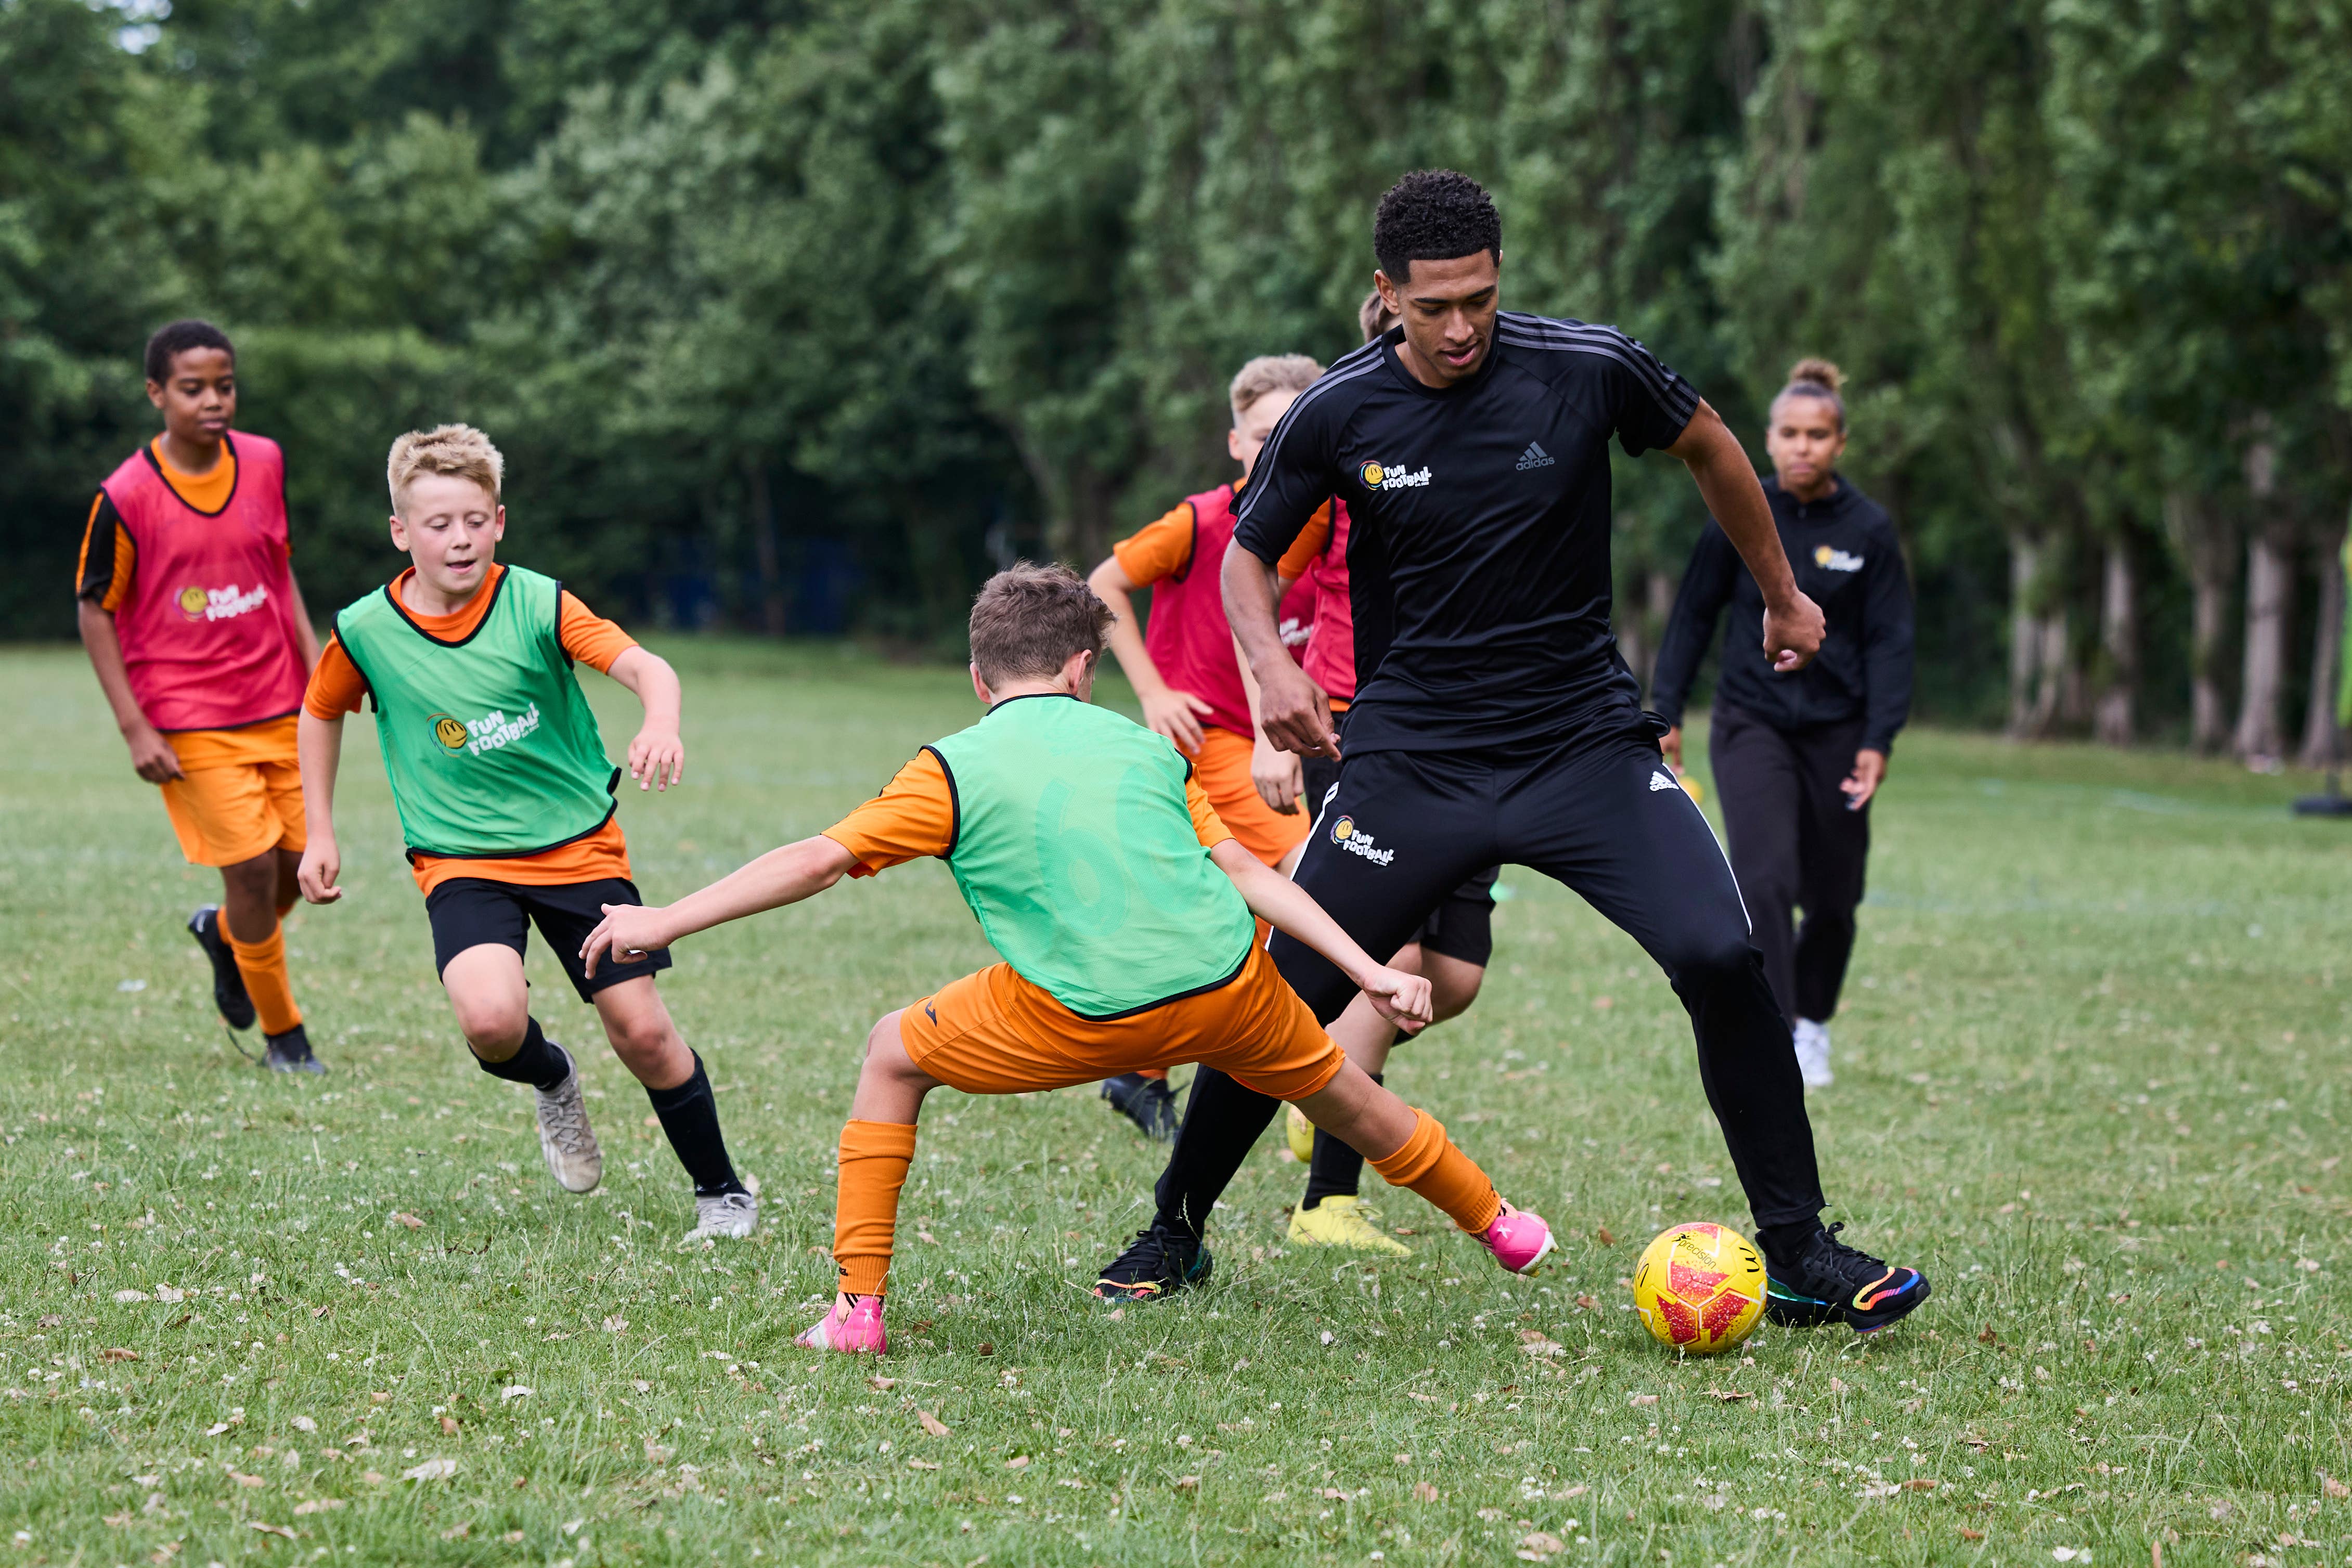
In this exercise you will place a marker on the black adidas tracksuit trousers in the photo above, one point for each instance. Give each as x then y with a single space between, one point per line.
1795 846
1404 829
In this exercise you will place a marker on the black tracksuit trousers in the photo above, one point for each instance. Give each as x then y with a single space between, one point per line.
1603 816
1794 846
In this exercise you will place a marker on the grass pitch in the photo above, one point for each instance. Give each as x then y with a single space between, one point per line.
2091 1076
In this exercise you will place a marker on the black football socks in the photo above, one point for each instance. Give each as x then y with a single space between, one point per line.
689 1116
540 1062
1334 1170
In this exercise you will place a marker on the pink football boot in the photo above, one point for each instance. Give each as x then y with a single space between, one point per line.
856 1328
1518 1238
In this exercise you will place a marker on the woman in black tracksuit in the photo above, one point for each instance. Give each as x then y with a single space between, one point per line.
1798 757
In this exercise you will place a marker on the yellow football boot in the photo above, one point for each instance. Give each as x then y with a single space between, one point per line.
1347 1222
1301 1132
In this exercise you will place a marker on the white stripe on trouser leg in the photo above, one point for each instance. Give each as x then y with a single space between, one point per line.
1329 796
1726 860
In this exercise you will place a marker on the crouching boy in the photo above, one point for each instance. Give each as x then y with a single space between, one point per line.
506 801
1123 909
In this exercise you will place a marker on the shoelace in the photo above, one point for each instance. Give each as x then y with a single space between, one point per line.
567 1121
1850 1262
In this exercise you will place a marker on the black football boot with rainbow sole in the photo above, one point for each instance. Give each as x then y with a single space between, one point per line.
1163 1260
229 986
1827 1282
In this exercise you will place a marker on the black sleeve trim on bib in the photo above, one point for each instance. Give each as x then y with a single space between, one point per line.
955 802
336 630
597 827
1191 551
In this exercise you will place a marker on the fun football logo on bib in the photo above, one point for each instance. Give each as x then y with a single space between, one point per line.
488 732
220 603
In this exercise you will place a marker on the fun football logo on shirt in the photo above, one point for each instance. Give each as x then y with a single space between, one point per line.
488 732
1379 476
1345 834
1836 559
220 603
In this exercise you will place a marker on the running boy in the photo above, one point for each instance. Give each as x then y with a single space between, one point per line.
1183 666
1095 863
506 801
201 643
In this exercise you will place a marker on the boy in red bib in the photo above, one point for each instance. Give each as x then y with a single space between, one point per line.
190 615
1183 666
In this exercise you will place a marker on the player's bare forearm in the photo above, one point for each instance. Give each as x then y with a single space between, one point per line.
1728 483
1116 589
656 754
1293 712
779 877
151 757
1291 910
306 636
318 750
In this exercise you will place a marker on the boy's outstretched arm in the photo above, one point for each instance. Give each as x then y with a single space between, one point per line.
319 746
1401 999
657 755
777 878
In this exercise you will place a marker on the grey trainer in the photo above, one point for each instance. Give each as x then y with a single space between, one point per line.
730 1214
565 1138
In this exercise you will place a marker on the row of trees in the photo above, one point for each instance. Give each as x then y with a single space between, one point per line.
799 313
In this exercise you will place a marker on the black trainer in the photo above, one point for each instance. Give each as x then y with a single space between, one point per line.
1164 1259
229 986
1829 1281
291 1053
1147 1103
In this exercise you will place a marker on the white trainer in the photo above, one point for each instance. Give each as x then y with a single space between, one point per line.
1814 1054
565 1139
733 1215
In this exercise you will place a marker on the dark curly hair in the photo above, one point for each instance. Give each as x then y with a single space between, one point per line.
176 338
1434 214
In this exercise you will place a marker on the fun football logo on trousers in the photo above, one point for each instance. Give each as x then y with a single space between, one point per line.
1345 834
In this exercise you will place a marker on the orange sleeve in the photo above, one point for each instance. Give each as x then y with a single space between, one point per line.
1162 547
913 817
589 637
1311 539
336 687
1206 824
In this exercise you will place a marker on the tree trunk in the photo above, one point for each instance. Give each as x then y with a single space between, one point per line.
2270 587
2025 633
2208 547
2114 721
2319 734
1641 633
767 550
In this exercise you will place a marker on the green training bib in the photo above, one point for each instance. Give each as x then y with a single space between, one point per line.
1075 850
490 744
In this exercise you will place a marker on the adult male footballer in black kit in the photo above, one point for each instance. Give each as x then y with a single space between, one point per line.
1494 721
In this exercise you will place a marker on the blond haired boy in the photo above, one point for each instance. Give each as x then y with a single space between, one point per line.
506 801
1183 665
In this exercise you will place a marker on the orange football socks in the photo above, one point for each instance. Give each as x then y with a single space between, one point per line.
1431 1164
263 965
874 1160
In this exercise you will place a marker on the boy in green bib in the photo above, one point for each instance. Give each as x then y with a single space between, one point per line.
506 801
1124 913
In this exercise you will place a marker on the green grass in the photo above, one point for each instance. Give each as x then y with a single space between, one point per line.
2091 1075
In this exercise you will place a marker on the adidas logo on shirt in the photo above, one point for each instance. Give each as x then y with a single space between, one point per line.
1661 780
1534 457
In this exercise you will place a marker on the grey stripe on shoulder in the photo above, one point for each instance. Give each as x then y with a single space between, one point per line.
1523 331
1349 368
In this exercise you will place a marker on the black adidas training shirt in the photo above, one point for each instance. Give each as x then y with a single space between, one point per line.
1478 531
1847 561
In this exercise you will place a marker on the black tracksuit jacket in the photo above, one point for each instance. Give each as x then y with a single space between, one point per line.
1847 560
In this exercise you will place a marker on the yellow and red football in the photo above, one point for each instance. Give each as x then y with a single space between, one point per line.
1699 1288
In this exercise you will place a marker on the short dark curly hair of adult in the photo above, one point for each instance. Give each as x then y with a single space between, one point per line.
1028 620
1434 214
176 338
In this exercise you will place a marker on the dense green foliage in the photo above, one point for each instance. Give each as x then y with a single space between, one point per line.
797 314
